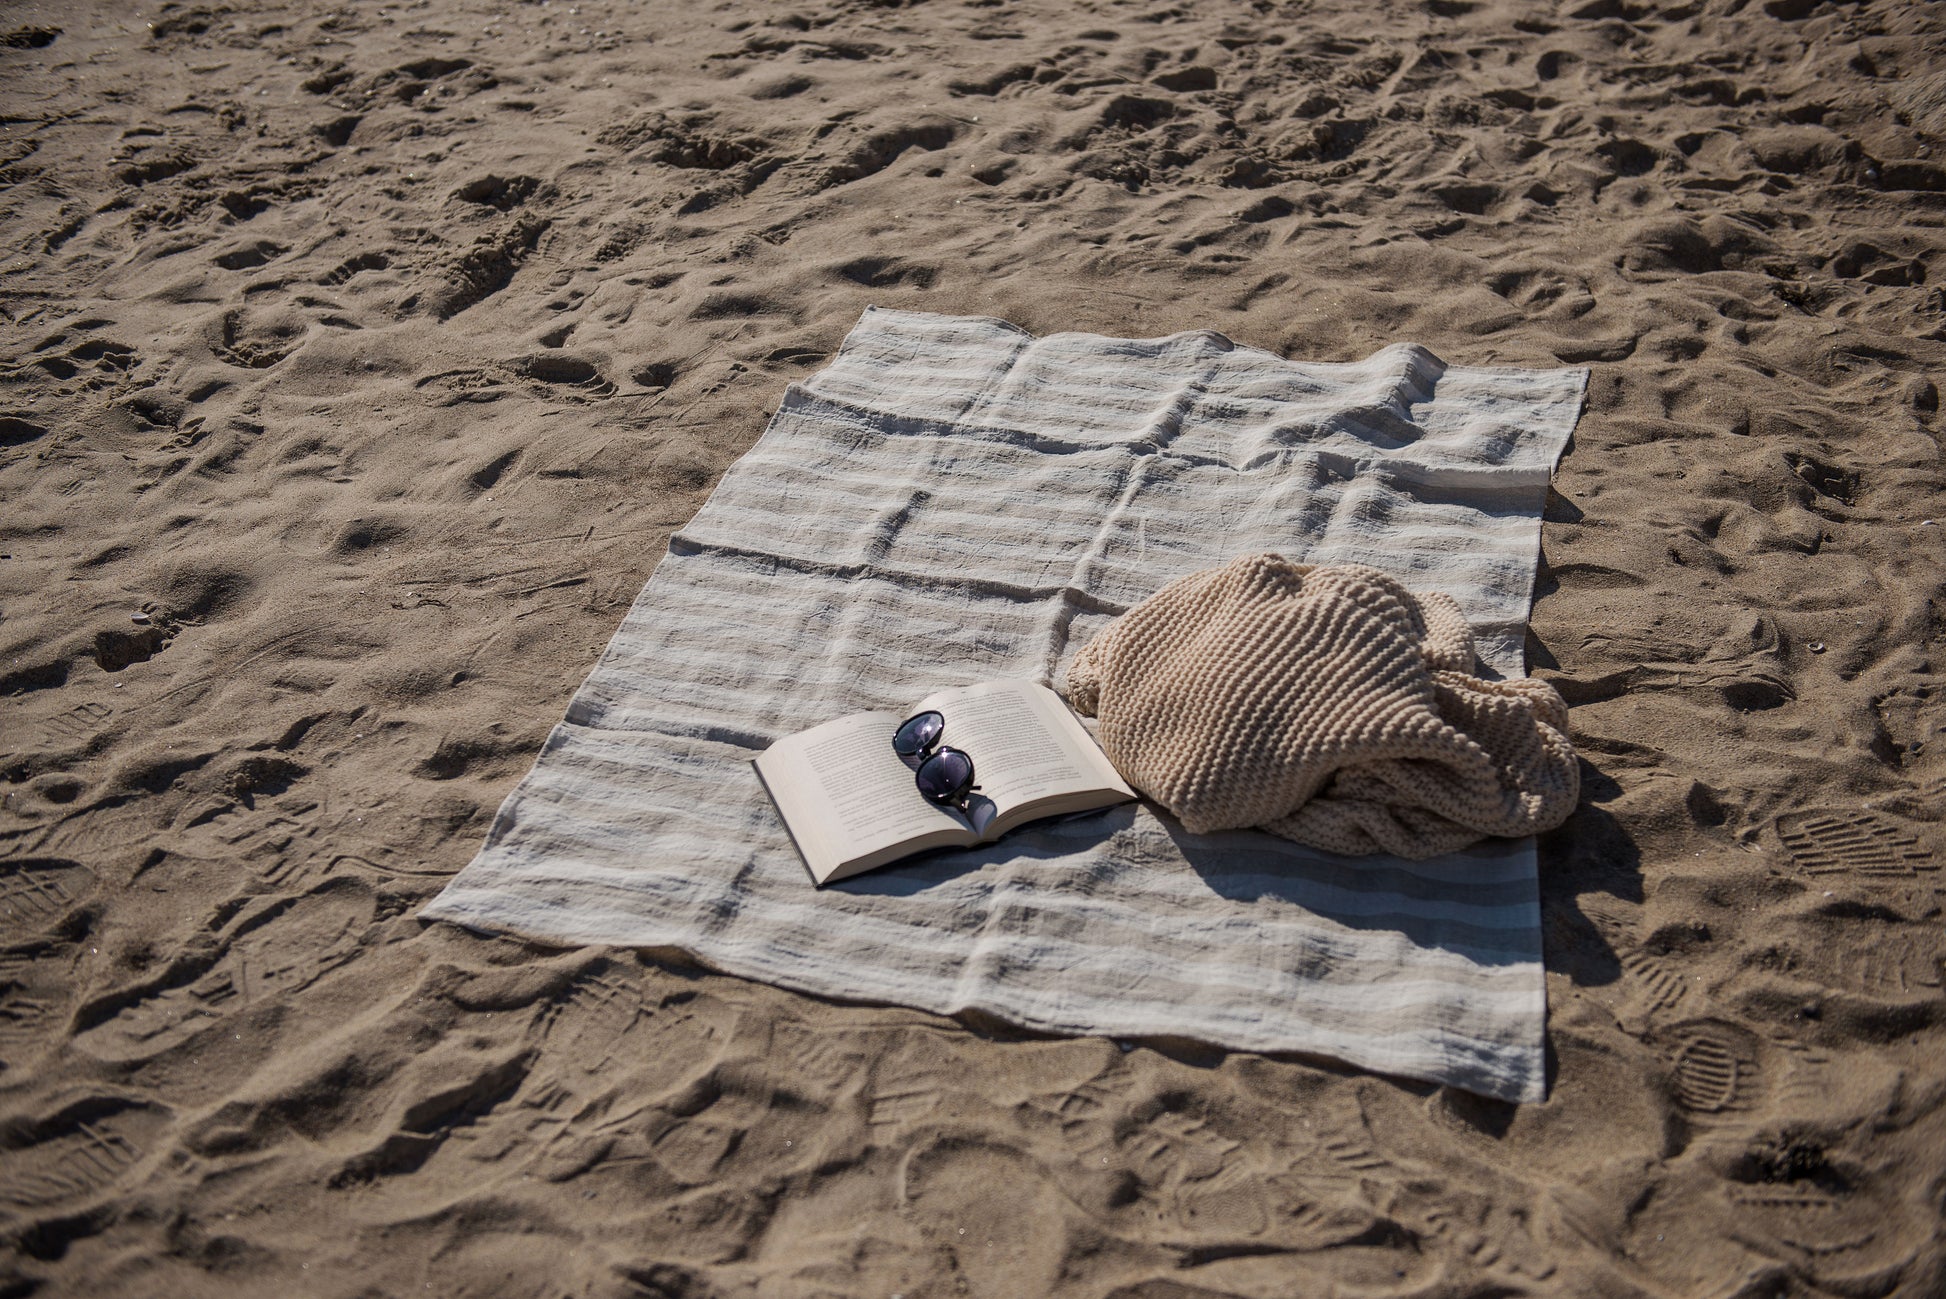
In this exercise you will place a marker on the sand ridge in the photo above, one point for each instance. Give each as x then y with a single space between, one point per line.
359 360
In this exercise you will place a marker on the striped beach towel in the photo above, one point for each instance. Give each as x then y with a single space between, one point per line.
954 500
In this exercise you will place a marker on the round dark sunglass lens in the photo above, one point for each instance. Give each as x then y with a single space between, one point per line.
918 734
946 776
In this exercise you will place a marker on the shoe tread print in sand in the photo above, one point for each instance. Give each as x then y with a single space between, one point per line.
1655 985
1856 840
36 893
577 1076
269 949
76 1151
297 828
40 899
1779 1148
1807 1196
1768 1063
1875 894
1250 1178
1765 1023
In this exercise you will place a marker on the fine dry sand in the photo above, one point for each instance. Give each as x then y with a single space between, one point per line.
359 359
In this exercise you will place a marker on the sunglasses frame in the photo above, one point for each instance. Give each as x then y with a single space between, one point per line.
929 751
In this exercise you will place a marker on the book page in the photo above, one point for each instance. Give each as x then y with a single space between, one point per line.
846 795
1025 744
852 805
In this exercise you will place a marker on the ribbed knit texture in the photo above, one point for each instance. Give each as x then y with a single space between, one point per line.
1328 705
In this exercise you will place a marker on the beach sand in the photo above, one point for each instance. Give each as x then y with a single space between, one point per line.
360 358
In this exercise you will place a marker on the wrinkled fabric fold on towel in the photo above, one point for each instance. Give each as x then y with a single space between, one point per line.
954 500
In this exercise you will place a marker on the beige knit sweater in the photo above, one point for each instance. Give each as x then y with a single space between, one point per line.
1327 705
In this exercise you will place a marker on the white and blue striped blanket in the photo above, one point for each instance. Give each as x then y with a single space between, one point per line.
953 500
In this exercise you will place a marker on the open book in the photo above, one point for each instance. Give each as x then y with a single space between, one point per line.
850 802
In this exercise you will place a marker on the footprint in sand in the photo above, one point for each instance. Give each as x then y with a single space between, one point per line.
483 269
903 1106
36 975
354 265
77 1151
77 724
1828 1221
556 370
888 273
268 952
36 892
1872 949
250 254
918 1076
92 364
1855 841
826 1060
116 649
993 1210
1176 1147
1906 964
1229 1203
1655 986
30 1005
612 1068
1088 1115
1352 1150
1311 1213
1660 987
594 1023
253 339
1718 1069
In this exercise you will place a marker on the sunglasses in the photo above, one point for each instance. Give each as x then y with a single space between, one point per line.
943 774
